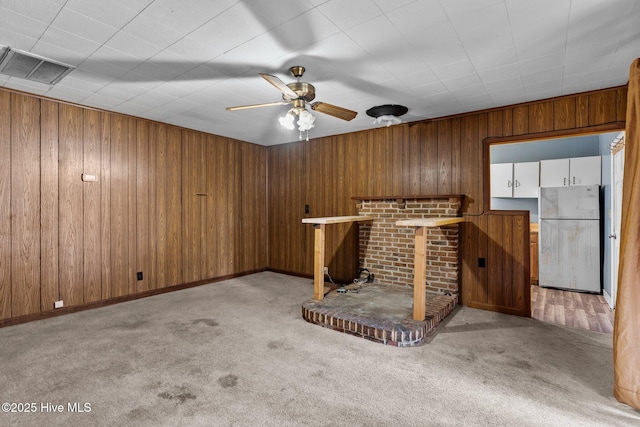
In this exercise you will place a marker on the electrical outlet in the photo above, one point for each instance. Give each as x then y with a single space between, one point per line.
326 270
139 275
58 304
307 209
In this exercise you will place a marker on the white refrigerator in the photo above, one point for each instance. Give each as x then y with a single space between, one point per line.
569 238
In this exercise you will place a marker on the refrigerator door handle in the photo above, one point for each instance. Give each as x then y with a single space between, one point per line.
564 182
613 236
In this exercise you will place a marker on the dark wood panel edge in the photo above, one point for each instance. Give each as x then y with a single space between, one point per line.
67 310
427 196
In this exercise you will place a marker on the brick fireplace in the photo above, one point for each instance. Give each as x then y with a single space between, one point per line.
386 250
382 311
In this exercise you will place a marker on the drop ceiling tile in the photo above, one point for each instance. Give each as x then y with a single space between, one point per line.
277 12
379 37
346 15
66 93
455 8
115 13
309 28
230 29
83 26
43 11
454 70
193 49
21 24
184 17
132 45
387 6
498 74
69 42
26 85
151 31
17 40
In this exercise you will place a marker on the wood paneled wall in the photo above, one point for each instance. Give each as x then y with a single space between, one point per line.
179 206
443 156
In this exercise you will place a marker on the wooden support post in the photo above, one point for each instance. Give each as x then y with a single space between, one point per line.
420 274
318 262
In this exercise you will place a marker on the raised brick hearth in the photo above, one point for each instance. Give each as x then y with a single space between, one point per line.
382 311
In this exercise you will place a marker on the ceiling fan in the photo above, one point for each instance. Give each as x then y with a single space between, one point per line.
298 94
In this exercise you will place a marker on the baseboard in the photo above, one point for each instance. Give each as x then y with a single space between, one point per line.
116 300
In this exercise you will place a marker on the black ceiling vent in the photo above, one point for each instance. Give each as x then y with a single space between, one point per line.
387 114
25 65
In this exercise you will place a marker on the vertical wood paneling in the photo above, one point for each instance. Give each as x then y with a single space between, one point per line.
507 244
412 160
174 207
469 259
105 208
540 116
25 205
602 108
132 204
520 120
151 274
520 273
159 144
429 156
71 205
94 135
119 206
621 105
495 260
469 161
456 156
5 206
564 113
507 122
143 204
444 157
582 111
234 206
49 202
190 207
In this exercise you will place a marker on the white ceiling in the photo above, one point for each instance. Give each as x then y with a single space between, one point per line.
183 61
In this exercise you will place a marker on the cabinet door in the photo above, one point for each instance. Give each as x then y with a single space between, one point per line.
554 173
585 170
526 179
502 180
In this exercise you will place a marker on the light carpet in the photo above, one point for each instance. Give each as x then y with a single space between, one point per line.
238 353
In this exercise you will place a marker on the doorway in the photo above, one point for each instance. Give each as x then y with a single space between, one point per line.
598 307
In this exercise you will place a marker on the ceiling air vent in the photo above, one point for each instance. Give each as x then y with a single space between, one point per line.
32 67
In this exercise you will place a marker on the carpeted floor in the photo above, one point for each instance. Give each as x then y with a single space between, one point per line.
239 353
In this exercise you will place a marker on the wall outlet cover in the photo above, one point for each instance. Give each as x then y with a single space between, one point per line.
58 304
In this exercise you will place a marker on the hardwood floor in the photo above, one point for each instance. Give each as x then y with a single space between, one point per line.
572 309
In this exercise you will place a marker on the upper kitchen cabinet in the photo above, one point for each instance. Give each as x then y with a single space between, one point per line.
519 180
569 172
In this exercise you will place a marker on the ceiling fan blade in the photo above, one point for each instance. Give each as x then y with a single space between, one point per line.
246 107
280 85
334 110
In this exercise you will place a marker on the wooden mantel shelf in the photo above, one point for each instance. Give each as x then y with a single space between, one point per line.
418 197
336 219
430 222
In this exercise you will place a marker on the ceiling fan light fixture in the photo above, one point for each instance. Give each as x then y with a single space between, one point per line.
387 114
287 120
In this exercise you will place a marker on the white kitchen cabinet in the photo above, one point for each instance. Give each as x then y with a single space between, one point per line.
573 171
515 179
502 180
526 179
